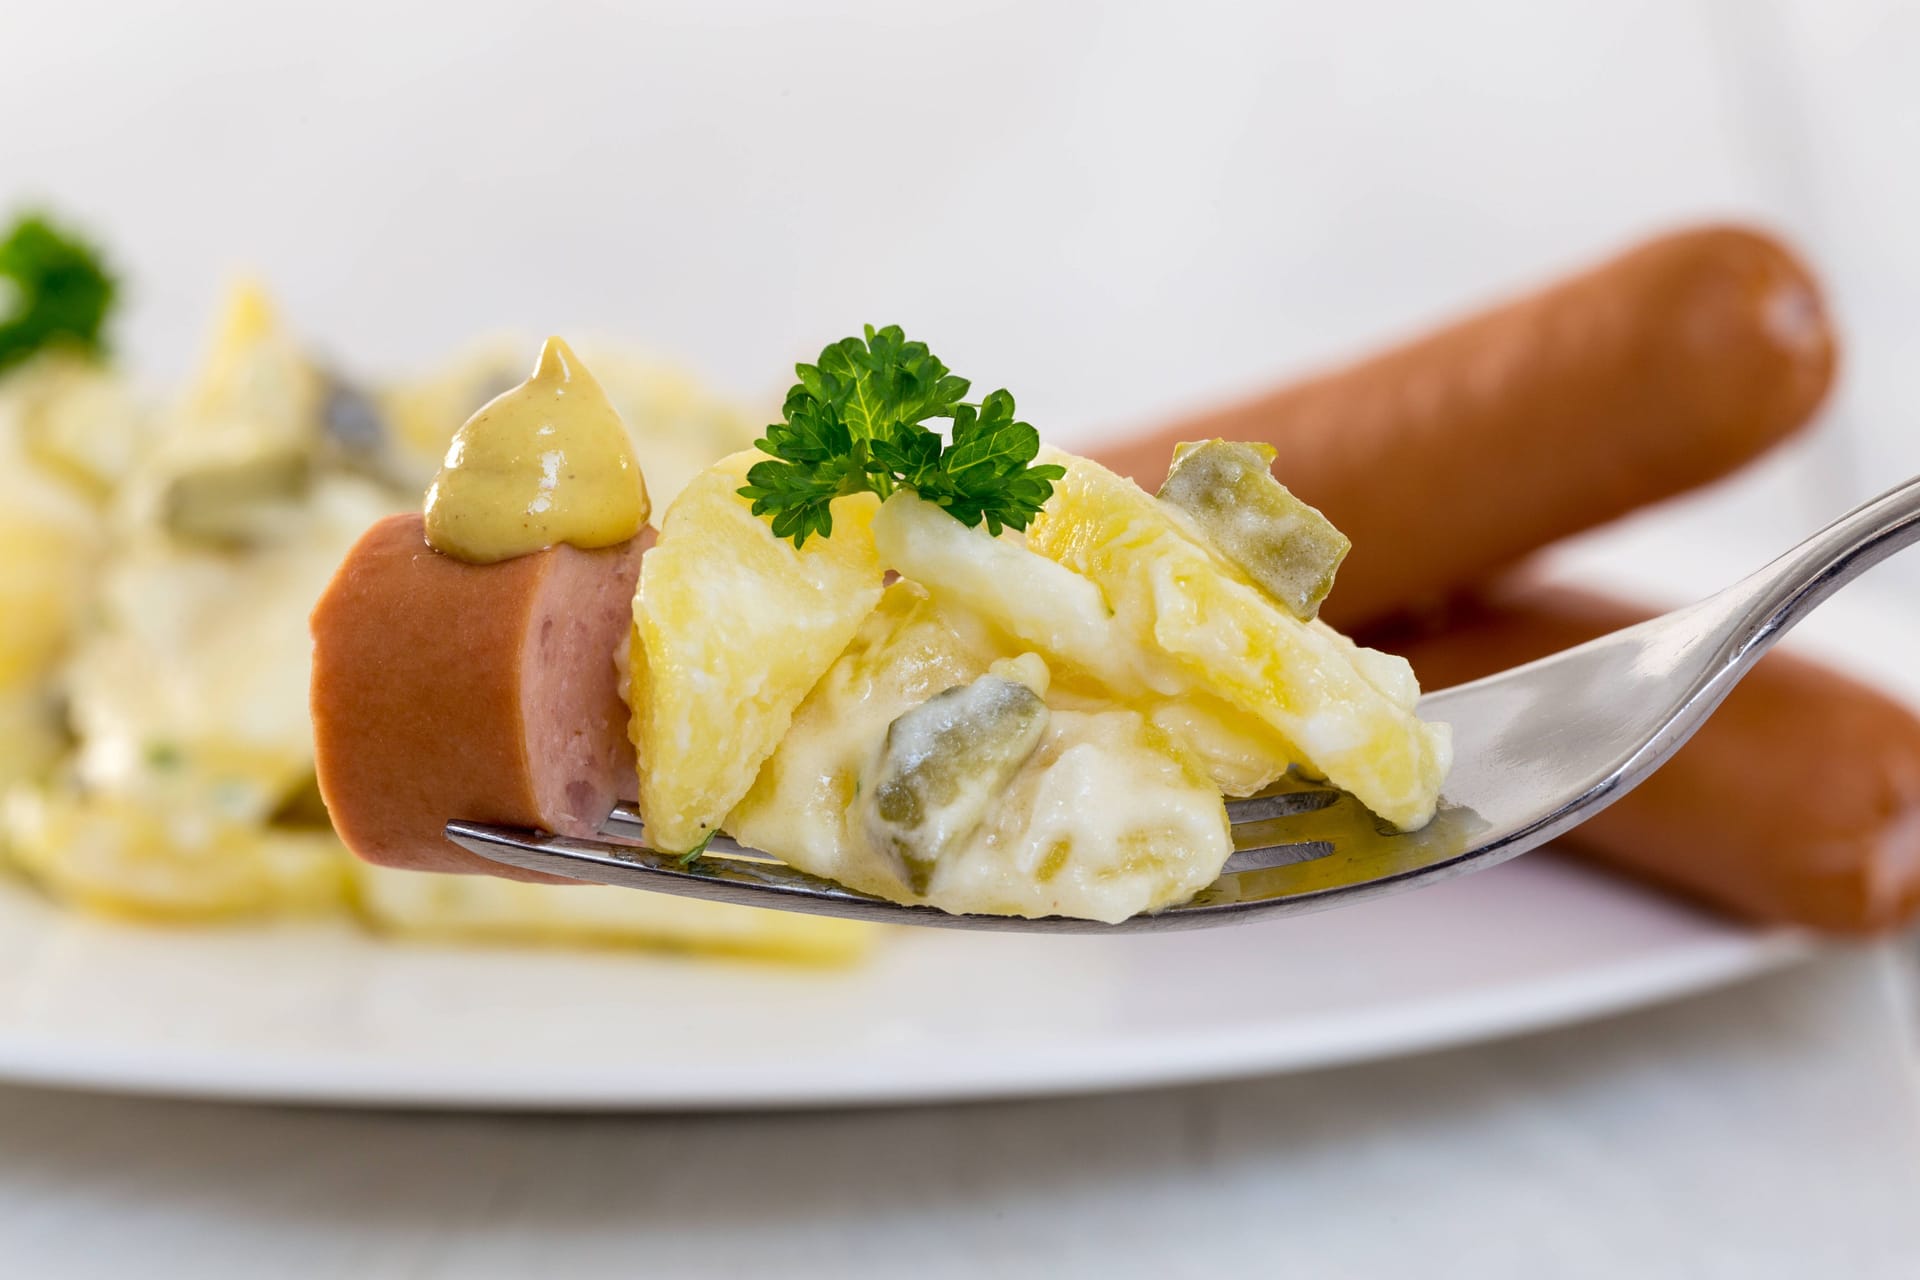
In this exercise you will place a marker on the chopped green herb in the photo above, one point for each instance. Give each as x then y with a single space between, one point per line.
692 855
853 424
54 291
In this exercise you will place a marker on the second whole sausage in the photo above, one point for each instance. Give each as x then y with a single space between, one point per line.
1449 457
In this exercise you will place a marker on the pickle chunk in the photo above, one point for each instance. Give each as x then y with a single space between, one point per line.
1287 548
944 763
234 504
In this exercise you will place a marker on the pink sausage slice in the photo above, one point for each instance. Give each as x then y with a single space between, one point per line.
444 690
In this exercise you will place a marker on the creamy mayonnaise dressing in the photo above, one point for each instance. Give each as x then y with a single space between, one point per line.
1105 819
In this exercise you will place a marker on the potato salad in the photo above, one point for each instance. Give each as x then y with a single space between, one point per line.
159 557
941 664
970 672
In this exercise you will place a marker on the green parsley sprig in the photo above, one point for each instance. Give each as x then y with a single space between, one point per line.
854 423
54 290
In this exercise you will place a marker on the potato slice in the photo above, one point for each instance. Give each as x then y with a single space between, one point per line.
125 856
48 555
1177 595
203 656
1239 753
732 626
76 419
30 737
1026 601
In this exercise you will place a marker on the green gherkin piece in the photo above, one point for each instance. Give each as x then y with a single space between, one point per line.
233 504
1285 546
944 763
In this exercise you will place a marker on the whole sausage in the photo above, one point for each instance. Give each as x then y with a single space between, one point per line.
443 690
1797 802
1458 453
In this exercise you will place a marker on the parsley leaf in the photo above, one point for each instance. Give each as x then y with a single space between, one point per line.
53 290
854 424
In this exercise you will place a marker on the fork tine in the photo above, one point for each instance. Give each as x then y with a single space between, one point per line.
1275 802
1263 857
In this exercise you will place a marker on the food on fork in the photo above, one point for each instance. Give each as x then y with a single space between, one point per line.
1798 802
1452 456
156 564
912 740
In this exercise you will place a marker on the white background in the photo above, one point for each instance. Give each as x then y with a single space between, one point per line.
1114 209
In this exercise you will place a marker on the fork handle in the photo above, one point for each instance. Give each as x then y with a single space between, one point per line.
1759 609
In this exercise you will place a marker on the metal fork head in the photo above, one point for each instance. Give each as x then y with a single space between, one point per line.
1536 750
1298 846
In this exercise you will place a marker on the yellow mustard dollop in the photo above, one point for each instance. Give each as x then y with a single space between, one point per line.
547 462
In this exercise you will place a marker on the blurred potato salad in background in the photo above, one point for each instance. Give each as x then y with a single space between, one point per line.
159 554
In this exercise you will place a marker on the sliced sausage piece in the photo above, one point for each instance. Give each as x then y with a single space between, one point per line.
444 690
1797 802
1458 453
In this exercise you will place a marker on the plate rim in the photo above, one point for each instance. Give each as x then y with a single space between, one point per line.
1119 1063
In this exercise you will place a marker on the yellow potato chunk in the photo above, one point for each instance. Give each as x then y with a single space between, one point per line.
46 564
1349 714
1238 753
256 392
75 419
125 856
200 658
1024 600
30 737
732 626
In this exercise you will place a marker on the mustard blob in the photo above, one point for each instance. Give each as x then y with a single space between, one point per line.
545 463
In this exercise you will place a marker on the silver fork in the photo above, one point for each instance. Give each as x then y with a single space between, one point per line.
1537 750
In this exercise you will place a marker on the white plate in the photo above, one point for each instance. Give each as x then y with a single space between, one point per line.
322 1014
326 1014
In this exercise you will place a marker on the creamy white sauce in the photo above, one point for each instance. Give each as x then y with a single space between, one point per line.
1103 821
